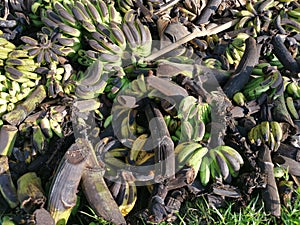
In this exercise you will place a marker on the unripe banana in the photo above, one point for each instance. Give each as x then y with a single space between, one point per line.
204 170
239 98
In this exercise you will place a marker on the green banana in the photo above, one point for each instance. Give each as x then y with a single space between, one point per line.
205 170
291 107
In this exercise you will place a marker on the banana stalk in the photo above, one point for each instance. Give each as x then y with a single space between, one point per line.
30 192
62 197
16 116
284 56
242 73
163 144
98 194
8 136
270 193
7 187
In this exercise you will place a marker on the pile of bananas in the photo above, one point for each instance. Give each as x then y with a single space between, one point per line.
222 162
39 128
235 49
269 133
256 15
103 28
266 80
194 116
124 192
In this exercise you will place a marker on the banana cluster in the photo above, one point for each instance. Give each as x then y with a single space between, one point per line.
5 48
48 47
269 81
236 49
20 77
193 117
213 63
269 133
124 192
255 15
41 127
125 5
293 90
92 82
101 25
222 162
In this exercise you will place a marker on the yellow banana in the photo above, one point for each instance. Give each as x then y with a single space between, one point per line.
265 130
137 146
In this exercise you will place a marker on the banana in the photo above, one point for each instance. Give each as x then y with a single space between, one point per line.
256 92
117 35
137 146
143 157
114 15
292 89
93 12
187 131
271 141
250 7
38 139
233 164
277 80
103 10
243 21
92 74
129 36
291 107
228 56
74 32
186 106
184 151
265 130
221 161
56 128
45 127
111 47
5 44
239 98
276 131
199 131
196 158
205 170
130 198
231 151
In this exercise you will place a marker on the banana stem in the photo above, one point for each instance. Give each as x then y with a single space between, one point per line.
270 193
191 36
284 56
7 187
244 69
16 116
162 143
8 136
208 11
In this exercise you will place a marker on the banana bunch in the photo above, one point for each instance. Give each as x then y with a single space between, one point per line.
293 89
37 11
137 35
138 155
96 21
236 49
47 49
255 15
124 192
270 82
189 154
220 162
5 48
59 79
193 117
213 63
269 133
92 82
41 127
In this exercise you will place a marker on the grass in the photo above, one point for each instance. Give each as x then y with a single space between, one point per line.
198 212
